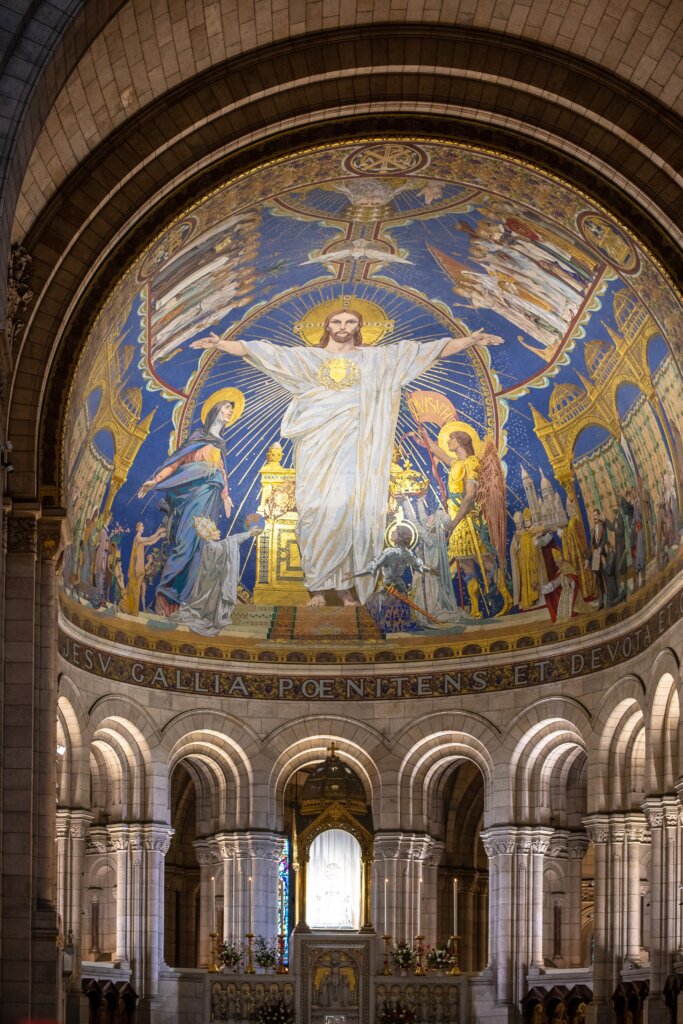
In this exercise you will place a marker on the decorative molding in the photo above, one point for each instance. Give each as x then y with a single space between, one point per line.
22 535
19 295
240 999
597 829
49 538
163 669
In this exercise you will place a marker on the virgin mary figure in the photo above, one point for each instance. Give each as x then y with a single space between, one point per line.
193 482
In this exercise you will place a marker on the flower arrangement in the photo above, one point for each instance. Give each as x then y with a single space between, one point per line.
398 1013
275 1013
230 953
439 958
265 951
403 955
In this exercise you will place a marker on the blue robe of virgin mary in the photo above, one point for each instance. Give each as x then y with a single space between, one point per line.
194 489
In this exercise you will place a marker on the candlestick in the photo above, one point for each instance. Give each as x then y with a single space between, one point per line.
213 957
281 968
419 969
419 906
213 904
250 969
251 923
455 906
455 954
386 968
386 887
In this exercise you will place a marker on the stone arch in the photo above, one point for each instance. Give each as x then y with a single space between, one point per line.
127 775
73 779
662 717
429 747
219 766
543 747
617 753
295 744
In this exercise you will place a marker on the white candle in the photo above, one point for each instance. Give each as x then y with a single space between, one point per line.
212 917
455 906
386 887
419 906
251 923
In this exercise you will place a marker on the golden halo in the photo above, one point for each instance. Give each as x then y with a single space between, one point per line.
233 395
389 532
375 323
447 430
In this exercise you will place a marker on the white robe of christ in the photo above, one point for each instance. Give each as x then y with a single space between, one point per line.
342 436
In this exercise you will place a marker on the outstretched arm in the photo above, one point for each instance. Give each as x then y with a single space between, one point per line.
456 345
232 347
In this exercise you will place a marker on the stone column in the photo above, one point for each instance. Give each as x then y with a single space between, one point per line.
599 1009
223 842
516 856
244 871
74 922
265 854
468 882
409 863
577 844
387 875
29 977
156 840
482 904
63 829
207 907
45 734
663 814
118 838
500 844
636 833
540 844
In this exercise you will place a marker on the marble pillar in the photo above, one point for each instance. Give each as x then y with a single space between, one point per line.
663 814
516 906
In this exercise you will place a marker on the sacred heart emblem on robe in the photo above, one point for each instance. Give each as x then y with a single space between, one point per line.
335 374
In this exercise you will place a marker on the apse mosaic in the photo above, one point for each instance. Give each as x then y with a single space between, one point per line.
375 390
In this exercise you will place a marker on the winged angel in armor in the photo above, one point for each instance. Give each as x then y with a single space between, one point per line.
476 505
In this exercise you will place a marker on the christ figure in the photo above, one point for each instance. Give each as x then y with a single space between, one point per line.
341 422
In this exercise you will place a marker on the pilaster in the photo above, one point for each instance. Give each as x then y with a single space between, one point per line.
663 814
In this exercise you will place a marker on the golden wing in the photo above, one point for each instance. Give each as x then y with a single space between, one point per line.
491 497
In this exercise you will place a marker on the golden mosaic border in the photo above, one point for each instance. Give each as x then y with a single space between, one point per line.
344 681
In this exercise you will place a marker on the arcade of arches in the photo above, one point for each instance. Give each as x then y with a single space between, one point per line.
342 463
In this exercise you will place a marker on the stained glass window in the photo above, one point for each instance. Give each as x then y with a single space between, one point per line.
283 896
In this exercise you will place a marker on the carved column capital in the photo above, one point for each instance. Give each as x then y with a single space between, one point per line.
203 851
577 845
118 837
662 811
636 829
597 828
63 823
97 841
22 533
388 846
558 847
156 838
80 824
225 845
500 840
266 845
49 538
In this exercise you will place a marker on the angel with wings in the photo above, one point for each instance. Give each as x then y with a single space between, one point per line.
476 506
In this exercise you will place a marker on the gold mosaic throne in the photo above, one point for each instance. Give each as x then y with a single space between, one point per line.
279 579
